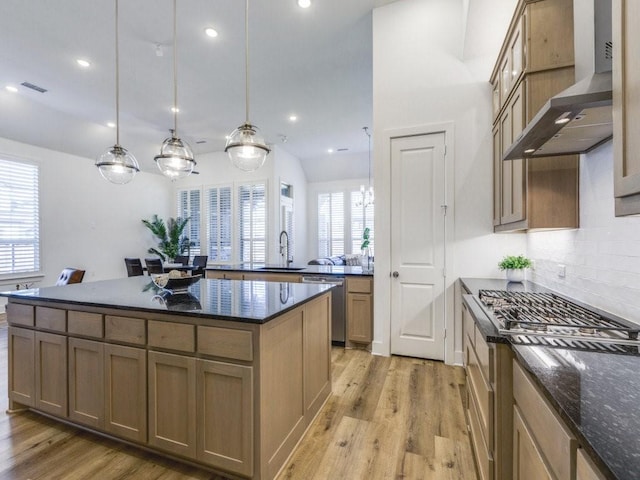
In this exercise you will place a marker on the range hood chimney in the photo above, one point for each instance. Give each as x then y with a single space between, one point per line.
579 118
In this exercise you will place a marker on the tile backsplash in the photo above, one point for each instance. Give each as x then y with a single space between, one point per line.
601 259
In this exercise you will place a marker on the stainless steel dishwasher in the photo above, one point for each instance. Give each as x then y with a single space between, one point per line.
338 323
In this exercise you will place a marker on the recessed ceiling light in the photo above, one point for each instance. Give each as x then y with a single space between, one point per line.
83 63
211 32
304 3
175 109
293 118
330 150
111 125
11 88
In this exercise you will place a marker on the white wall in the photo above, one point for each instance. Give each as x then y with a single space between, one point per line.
602 258
85 221
420 79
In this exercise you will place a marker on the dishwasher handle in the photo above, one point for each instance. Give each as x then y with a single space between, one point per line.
322 280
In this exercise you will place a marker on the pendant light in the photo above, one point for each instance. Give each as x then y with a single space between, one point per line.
116 164
367 197
247 150
176 157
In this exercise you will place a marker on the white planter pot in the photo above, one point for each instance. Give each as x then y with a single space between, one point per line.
515 274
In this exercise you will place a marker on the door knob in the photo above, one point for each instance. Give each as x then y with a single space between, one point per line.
395 274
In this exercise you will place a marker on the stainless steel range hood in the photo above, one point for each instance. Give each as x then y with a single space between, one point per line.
579 118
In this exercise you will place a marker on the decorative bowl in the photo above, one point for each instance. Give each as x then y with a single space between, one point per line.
175 284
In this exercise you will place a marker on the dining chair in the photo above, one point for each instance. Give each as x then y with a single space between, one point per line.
154 265
183 259
134 267
70 275
200 262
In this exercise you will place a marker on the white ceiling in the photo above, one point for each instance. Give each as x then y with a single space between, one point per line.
314 62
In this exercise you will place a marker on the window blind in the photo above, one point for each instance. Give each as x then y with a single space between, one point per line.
331 224
220 224
252 214
19 218
189 207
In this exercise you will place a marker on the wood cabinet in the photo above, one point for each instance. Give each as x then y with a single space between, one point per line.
172 403
359 310
488 400
86 382
586 469
126 392
543 447
224 415
626 107
22 380
51 373
535 63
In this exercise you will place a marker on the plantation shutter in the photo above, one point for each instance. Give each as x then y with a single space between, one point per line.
331 223
220 224
252 205
361 218
189 207
19 218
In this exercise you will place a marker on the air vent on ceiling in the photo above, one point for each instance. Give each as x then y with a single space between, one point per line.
342 149
200 142
33 87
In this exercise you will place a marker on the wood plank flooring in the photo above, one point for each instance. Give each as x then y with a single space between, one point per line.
388 418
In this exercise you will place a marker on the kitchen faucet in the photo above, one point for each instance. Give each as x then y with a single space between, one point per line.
284 246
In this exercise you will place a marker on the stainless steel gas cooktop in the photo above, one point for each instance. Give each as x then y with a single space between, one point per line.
550 320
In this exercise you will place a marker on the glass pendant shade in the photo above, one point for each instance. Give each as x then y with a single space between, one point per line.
176 158
117 165
246 149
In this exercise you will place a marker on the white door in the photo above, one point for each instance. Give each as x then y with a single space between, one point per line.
418 245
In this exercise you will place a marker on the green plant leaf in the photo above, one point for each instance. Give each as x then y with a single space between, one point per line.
511 262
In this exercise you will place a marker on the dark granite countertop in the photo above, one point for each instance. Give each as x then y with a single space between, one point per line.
241 301
300 269
596 394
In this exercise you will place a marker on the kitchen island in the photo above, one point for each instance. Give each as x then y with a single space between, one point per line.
227 376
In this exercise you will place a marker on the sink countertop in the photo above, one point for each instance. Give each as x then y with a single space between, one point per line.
241 301
299 269
596 394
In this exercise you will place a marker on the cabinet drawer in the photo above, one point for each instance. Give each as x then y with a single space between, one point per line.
482 395
468 325
225 342
125 329
359 285
20 314
484 458
173 336
555 441
85 324
51 319
485 357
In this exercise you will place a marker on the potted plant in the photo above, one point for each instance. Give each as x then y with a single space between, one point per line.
364 247
515 266
171 238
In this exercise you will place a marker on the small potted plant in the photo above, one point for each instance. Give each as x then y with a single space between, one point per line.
515 266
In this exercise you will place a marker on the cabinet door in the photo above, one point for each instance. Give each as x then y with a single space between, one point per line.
585 468
86 382
126 392
528 463
516 52
51 373
626 107
22 384
359 318
317 357
172 403
513 171
224 407
497 176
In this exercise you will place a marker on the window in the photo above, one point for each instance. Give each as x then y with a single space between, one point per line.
19 218
361 218
331 224
220 224
189 207
252 211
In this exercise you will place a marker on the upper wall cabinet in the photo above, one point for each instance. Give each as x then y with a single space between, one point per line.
535 63
626 107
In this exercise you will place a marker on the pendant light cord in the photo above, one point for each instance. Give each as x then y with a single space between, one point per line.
246 58
117 82
175 72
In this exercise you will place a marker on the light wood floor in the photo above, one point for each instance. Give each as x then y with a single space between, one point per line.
388 418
